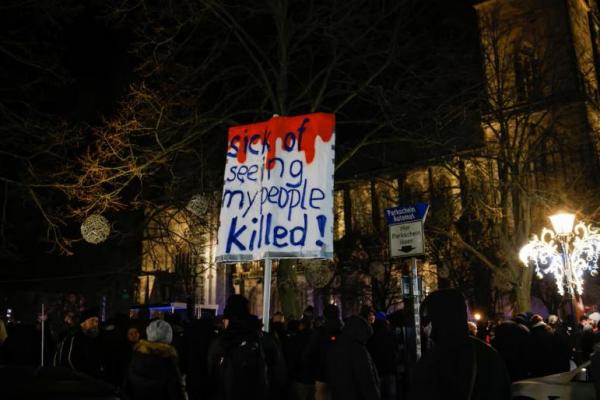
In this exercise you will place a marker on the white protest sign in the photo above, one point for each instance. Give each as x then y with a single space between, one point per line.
278 190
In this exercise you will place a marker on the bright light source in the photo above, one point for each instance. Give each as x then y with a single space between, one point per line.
562 223
565 252
477 316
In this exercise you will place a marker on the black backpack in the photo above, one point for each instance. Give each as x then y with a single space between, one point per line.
243 371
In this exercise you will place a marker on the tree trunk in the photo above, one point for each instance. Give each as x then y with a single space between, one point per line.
523 291
288 289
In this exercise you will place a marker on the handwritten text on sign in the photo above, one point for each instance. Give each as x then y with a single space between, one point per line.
278 190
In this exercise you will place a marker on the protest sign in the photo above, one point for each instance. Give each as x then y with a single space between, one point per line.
278 190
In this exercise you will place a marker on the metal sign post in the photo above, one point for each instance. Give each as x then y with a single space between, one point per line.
416 305
267 294
407 239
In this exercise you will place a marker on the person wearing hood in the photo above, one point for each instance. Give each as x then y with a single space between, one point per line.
153 372
237 363
458 366
81 349
315 354
351 371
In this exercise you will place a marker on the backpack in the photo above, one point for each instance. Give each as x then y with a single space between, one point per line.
243 371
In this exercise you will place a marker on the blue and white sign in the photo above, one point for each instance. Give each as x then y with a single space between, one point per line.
414 212
407 238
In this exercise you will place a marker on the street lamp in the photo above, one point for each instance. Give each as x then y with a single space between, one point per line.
565 252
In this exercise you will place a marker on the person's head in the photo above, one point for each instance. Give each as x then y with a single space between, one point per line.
294 325
308 313
472 328
237 307
331 312
368 313
159 331
133 334
552 320
536 319
89 322
69 319
278 317
444 316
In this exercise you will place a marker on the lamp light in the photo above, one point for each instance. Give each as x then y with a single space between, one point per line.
562 223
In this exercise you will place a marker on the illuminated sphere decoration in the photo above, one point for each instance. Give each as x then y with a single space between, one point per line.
317 272
198 205
95 229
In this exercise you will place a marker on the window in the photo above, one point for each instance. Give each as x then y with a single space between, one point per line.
527 74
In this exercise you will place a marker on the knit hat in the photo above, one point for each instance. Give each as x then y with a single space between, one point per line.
331 312
237 307
159 331
89 313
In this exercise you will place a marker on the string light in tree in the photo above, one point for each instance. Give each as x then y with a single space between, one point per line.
95 229
565 252
198 205
317 272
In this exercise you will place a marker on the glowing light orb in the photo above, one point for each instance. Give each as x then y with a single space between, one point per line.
95 229
317 272
198 205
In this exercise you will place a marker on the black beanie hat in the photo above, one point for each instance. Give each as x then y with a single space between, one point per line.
331 312
89 313
237 307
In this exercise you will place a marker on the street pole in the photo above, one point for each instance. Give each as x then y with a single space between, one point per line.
267 294
416 305
43 326
569 274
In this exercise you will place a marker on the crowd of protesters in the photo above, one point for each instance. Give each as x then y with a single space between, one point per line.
313 357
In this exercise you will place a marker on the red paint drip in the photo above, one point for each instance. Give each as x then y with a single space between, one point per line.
283 134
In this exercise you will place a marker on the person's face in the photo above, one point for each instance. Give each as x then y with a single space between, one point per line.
371 318
69 319
133 335
90 324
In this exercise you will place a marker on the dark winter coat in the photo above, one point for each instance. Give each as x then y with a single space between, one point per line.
383 349
298 368
82 353
315 354
351 371
458 366
546 352
246 332
511 341
153 373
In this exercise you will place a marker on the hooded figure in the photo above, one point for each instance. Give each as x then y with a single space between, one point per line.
458 366
153 373
237 359
352 373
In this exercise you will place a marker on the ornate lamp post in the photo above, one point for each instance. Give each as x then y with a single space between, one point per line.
565 252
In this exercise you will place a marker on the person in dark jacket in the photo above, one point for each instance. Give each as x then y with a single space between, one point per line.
316 351
237 363
511 340
383 349
458 366
302 383
153 373
351 371
81 350
545 350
